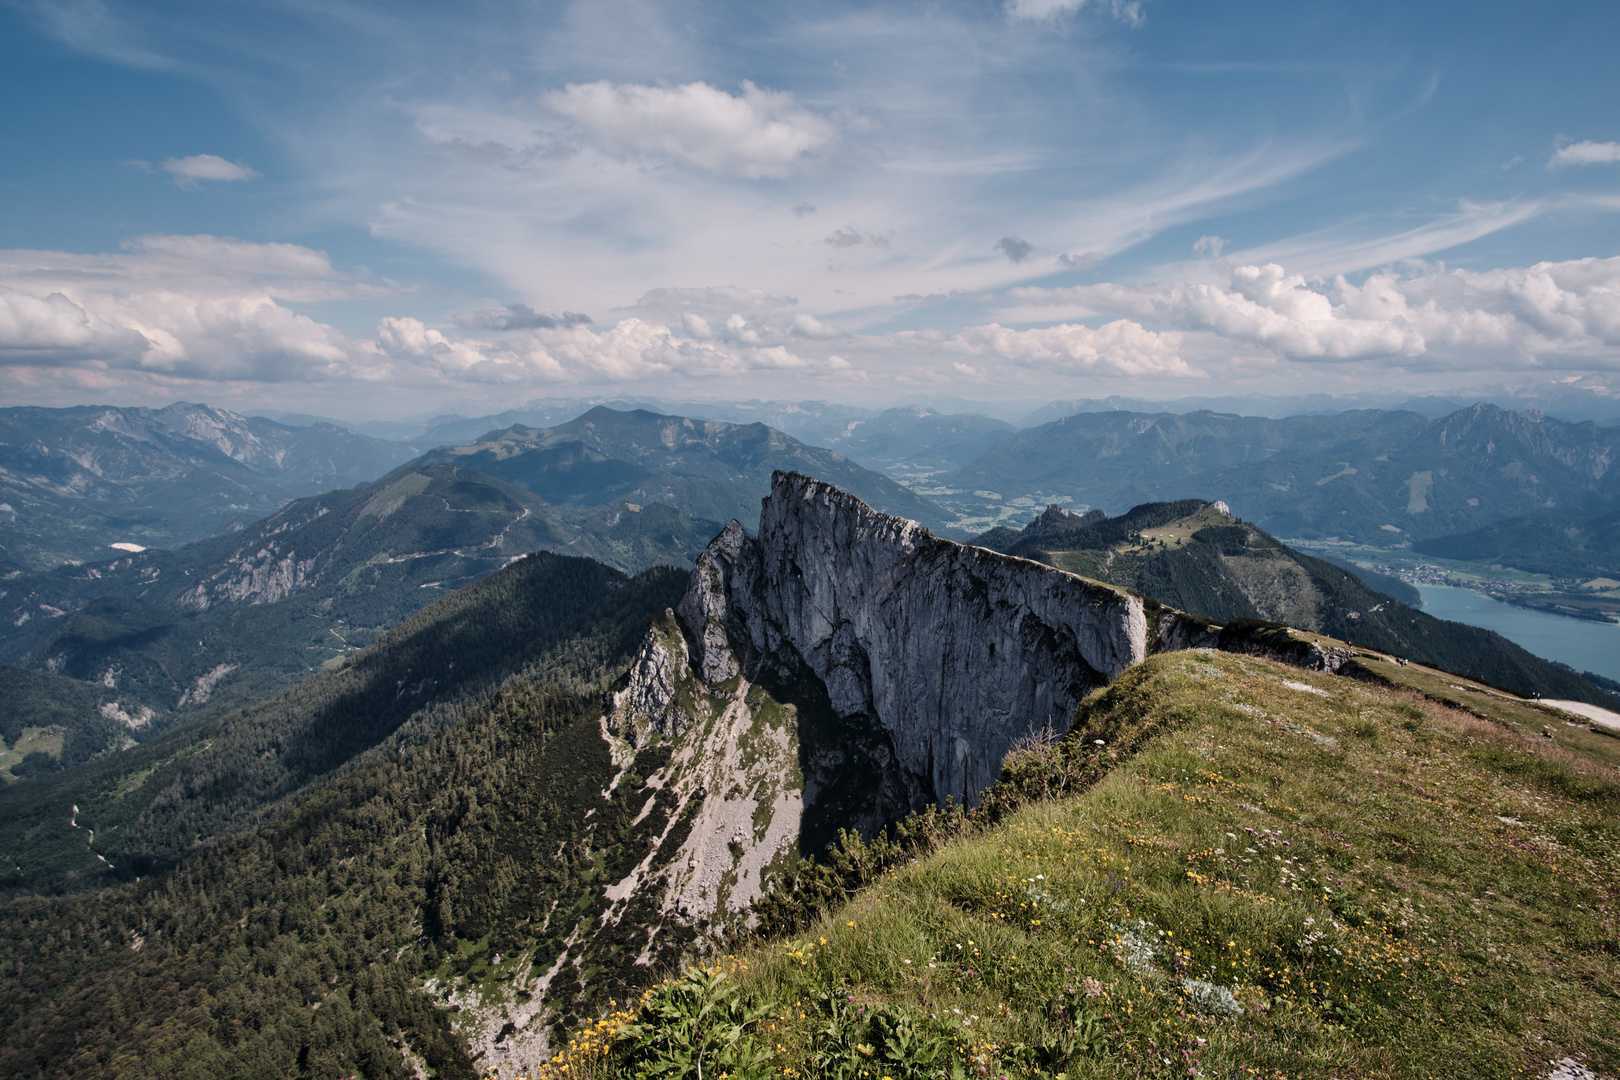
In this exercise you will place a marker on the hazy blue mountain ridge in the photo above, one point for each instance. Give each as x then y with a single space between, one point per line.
1369 476
73 481
708 469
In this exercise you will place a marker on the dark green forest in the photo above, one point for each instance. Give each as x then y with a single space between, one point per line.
297 949
549 616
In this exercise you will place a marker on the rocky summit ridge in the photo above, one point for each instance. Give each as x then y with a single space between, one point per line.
842 669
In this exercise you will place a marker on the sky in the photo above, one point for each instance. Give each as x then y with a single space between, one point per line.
377 210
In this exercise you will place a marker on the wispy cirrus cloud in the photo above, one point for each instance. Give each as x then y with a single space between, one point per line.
1126 11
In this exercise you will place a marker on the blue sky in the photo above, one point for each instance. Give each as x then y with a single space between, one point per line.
384 209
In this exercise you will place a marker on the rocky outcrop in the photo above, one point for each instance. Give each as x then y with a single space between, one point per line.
838 671
955 652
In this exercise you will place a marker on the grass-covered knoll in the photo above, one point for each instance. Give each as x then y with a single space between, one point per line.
1293 875
1526 717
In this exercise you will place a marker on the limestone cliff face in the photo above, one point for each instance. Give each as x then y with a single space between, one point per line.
844 668
955 652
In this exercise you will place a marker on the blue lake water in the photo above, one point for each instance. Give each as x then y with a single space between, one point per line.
1583 645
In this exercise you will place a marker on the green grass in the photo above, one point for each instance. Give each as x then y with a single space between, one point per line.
1509 710
32 740
1382 884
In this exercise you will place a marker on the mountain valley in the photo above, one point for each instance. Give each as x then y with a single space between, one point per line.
227 620
370 789
352 878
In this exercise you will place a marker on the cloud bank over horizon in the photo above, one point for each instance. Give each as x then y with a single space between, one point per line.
1004 200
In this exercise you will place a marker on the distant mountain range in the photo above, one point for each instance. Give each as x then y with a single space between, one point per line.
1384 477
705 468
73 481
235 617
160 635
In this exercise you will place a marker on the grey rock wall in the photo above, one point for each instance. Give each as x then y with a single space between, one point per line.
956 652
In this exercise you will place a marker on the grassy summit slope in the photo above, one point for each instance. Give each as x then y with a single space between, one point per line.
1278 873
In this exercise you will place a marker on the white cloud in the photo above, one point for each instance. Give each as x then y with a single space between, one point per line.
715 302
37 323
1586 153
188 170
1121 347
1428 316
1126 11
191 307
758 133
807 325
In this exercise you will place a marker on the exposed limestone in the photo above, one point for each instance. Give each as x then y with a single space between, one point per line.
841 670
956 652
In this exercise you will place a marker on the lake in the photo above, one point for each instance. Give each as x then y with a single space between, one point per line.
1583 645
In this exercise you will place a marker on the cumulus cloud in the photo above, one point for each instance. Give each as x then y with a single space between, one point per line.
190 307
31 323
188 170
807 325
1430 315
1121 347
1126 11
1209 246
757 133
1586 153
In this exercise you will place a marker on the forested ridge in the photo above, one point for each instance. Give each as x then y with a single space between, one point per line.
555 617
299 948
230 620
